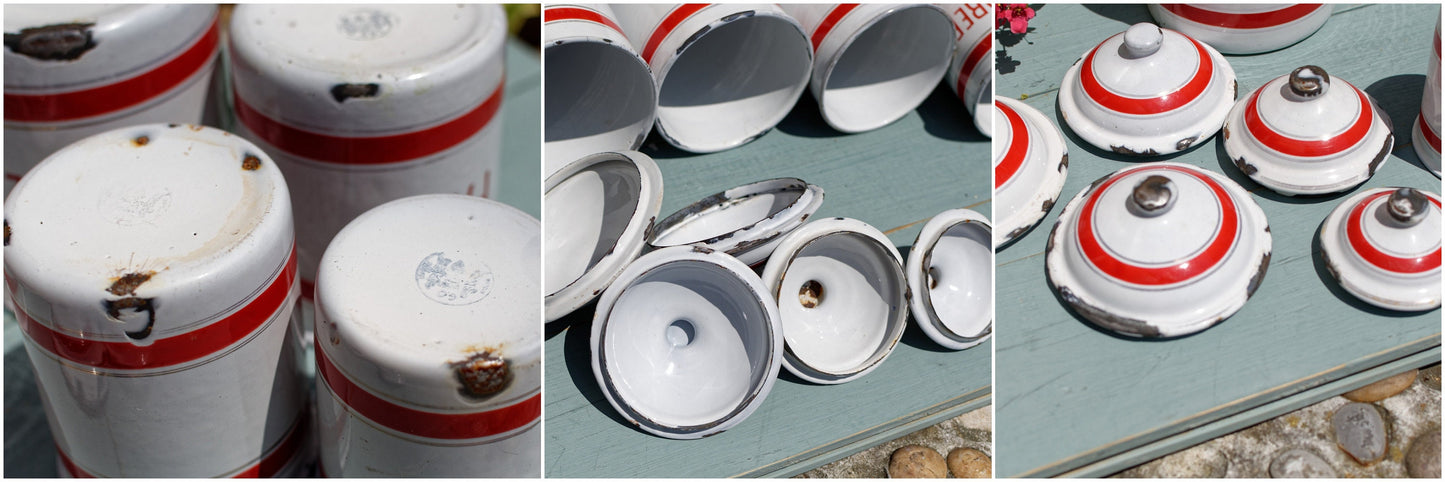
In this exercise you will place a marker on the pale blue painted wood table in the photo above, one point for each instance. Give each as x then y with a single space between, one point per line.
894 178
29 449
1072 400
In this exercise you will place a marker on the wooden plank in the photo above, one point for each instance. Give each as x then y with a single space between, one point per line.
893 178
1070 396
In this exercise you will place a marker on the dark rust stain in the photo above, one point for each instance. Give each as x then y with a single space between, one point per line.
1258 275
141 141
147 305
483 374
127 283
1064 162
251 162
1127 151
67 41
7 232
1048 204
1244 166
173 126
1105 319
1185 143
1226 132
696 35
341 92
1384 151
702 249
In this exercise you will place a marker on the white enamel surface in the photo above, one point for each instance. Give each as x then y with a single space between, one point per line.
858 310
951 277
742 217
430 62
729 85
598 211
600 94
1244 40
1148 75
877 63
1026 197
1163 310
972 23
360 449
1323 117
129 40
419 283
1430 109
686 343
1394 291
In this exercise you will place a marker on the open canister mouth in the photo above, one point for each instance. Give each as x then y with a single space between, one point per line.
882 68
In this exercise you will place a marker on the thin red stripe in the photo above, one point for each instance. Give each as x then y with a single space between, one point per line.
1268 19
1018 147
1431 136
370 150
425 424
75 472
270 465
165 351
557 14
1119 269
1155 105
116 96
980 50
829 21
669 23
1307 148
1354 230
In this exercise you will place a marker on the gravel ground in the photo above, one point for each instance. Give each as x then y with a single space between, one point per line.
973 430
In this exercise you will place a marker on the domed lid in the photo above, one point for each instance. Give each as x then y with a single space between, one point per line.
1383 246
842 298
686 343
431 301
950 273
599 211
1308 133
746 221
1030 163
1147 91
1160 250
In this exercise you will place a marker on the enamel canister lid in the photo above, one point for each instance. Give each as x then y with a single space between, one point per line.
686 343
1243 28
1308 133
73 47
147 235
1147 91
374 69
599 211
950 274
746 221
1160 250
1383 246
430 302
1030 164
842 298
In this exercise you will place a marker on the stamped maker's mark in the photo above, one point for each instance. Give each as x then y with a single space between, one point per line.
452 281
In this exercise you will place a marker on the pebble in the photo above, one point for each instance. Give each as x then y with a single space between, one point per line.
1431 377
916 462
967 463
1360 432
1423 460
1382 389
1300 464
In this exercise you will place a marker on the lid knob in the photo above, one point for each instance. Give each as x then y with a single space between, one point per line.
1142 39
1308 82
1152 196
1407 206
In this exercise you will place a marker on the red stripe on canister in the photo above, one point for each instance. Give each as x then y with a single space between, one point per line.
449 426
1273 18
1355 232
370 150
182 348
980 50
1431 137
1308 148
269 466
119 95
829 21
1191 90
557 14
1018 147
669 23
1213 253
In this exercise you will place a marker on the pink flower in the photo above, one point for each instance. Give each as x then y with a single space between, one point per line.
1015 15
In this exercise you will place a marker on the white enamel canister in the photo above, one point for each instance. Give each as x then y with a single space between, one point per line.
726 73
364 104
1426 134
873 63
600 94
970 75
72 71
428 342
1243 28
154 274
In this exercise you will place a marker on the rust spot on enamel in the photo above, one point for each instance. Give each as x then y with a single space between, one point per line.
483 374
141 141
127 283
66 41
251 162
7 232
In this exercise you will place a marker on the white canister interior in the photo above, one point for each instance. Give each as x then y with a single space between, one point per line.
586 216
600 97
838 301
887 70
687 344
960 283
733 83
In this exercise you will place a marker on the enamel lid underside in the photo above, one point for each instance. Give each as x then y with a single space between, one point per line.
416 287
1386 261
743 218
1030 165
949 273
